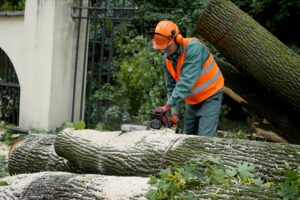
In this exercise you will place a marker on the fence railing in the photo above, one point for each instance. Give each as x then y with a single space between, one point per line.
9 90
102 16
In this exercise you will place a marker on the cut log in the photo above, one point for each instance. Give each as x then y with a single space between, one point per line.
61 185
260 103
35 154
147 152
254 50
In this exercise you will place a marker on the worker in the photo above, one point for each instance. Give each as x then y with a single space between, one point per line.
191 75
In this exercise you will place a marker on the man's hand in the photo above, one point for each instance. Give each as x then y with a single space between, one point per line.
162 109
174 118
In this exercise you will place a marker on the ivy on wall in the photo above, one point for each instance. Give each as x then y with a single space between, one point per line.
12 5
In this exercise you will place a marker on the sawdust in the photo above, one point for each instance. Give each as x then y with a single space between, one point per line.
157 139
124 188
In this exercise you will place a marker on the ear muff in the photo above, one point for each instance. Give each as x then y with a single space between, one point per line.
177 37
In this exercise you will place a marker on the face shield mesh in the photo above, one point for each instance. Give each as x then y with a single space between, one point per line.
158 41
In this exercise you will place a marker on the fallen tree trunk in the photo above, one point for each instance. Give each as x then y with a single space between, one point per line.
147 152
258 102
60 185
36 153
255 51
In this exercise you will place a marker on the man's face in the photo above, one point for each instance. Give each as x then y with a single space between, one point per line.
170 49
164 43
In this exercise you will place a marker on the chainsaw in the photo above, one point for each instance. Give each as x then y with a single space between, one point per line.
158 120
162 119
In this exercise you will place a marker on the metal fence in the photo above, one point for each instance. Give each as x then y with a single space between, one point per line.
102 17
9 90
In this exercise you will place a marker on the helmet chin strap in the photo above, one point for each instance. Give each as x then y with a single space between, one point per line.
165 55
166 50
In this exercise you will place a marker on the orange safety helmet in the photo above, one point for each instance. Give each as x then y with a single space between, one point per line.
166 32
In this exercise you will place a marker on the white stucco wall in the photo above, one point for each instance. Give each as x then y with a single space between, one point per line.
11 39
41 46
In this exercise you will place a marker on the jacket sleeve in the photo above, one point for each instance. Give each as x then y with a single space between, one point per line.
195 56
170 84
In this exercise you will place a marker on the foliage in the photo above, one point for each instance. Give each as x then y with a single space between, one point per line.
8 102
12 5
9 96
76 125
239 134
178 181
3 183
150 12
289 188
8 137
137 89
2 124
295 48
3 168
173 181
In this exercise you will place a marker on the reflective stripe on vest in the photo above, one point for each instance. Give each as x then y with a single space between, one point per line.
210 81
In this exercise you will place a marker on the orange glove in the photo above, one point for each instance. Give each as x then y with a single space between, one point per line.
174 118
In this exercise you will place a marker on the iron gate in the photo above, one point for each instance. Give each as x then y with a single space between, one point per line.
9 90
102 16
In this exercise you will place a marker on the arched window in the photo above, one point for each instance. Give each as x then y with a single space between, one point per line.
9 90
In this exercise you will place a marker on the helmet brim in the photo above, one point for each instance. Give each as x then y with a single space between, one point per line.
159 47
160 41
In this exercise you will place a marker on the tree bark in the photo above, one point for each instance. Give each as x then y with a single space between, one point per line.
251 48
147 152
60 185
258 102
36 153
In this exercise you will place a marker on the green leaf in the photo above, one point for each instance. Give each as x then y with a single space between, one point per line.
292 175
245 170
79 125
193 182
269 184
190 196
67 125
165 172
288 190
290 187
3 183
152 180
219 176
172 189
152 194
258 182
214 160
230 172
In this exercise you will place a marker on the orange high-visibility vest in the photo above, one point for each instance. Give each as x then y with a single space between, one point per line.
210 81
